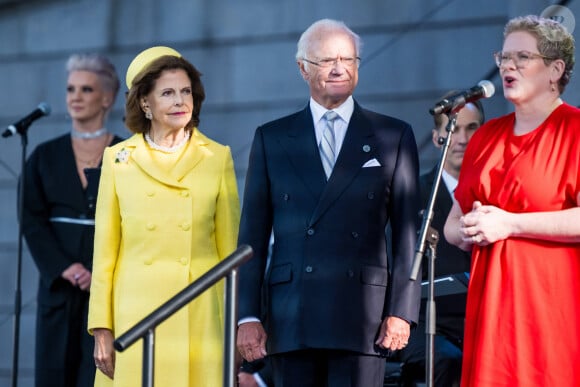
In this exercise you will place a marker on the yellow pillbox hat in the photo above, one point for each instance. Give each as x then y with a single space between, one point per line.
144 58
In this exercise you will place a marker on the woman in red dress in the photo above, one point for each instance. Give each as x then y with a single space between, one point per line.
517 210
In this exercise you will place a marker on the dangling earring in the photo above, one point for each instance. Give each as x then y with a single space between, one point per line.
553 87
148 114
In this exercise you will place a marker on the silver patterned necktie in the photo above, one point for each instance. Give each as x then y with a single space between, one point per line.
328 143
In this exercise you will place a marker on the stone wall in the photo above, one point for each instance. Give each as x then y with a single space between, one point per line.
414 51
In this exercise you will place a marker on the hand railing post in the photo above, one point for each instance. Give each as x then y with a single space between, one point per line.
148 358
145 328
231 295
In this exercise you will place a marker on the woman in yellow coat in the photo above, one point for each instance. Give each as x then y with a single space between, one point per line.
167 212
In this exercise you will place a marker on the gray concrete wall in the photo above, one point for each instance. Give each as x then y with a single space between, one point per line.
414 51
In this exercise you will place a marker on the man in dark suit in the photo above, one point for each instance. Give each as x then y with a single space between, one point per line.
449 260
326 187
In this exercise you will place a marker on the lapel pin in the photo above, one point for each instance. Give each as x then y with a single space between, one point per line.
366 148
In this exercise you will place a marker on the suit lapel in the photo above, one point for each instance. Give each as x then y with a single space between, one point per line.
197 150
355 151
444 200
300 146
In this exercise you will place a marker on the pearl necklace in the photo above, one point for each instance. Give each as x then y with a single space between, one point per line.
168 149
88 135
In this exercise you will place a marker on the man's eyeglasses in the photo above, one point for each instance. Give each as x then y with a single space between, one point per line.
520 58
328 62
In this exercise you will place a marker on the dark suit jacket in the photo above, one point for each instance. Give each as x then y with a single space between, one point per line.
449 259
328 284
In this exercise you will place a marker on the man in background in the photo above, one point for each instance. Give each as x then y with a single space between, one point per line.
449 260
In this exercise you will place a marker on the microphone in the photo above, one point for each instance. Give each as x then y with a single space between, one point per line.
484 89
43 109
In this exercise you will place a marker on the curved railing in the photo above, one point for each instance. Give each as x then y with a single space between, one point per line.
145 328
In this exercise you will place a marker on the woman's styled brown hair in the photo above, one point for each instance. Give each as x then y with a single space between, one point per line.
144 82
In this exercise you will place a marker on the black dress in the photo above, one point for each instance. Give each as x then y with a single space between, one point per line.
58 225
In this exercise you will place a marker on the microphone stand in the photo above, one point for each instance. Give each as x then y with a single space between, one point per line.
23 131
428 238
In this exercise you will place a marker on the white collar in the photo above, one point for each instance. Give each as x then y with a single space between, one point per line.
344 111
450 181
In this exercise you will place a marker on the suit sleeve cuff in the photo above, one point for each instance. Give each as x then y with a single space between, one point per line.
259 380
247 320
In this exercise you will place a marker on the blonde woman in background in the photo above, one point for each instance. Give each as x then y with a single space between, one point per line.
60 190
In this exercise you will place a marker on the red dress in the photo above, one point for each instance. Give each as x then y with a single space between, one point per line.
523 306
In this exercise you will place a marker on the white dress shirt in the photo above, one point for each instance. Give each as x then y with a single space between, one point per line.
450 182
344 112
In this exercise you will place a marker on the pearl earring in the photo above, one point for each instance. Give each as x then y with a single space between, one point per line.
148 115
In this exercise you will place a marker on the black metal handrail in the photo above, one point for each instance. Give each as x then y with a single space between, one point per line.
146 327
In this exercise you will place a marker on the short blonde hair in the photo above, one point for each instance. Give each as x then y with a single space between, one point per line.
554 41
99 65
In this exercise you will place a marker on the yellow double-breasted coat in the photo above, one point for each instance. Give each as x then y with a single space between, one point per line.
158 228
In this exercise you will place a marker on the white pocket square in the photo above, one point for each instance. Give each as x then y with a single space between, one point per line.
371 163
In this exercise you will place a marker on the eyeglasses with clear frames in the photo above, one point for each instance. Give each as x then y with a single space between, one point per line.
331 62
520 58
